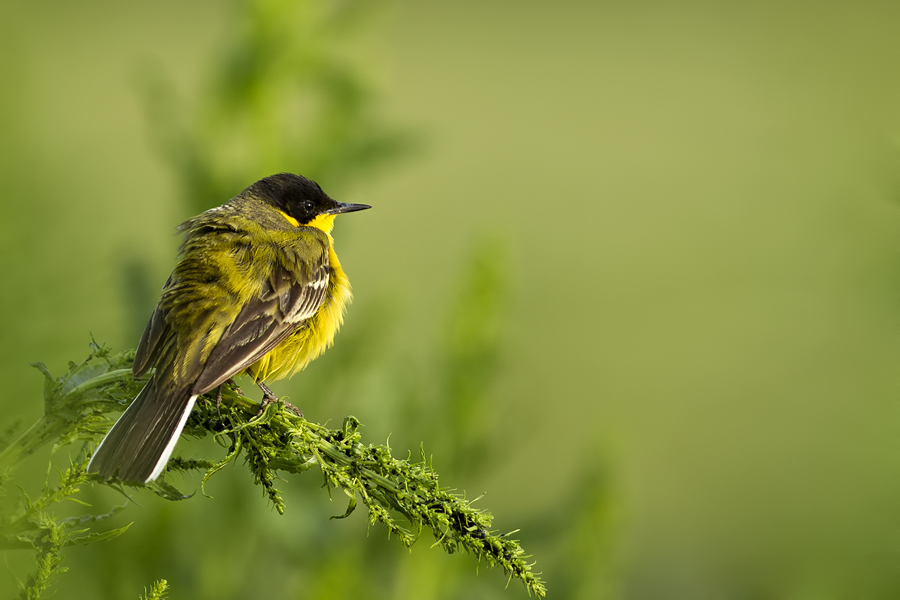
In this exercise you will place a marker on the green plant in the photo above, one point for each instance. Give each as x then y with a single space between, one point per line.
276 441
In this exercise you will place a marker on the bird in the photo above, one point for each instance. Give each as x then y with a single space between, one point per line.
257 289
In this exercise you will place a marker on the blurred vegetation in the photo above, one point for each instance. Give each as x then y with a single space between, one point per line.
282 97
283 94
158 591
694 384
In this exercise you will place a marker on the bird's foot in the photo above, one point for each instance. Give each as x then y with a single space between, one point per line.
269 397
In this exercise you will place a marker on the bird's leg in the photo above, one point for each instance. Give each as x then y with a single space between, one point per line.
219 402
233 385
269 397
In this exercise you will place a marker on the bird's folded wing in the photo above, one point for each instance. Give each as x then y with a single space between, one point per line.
287 299
149 347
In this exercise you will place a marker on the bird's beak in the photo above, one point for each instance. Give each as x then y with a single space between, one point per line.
345 207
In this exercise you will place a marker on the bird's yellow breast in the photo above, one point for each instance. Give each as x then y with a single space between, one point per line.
315 335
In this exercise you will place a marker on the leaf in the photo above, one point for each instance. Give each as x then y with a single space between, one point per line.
158 591
83 373
43 369
90 538
51 385
351 506
220 465
166 490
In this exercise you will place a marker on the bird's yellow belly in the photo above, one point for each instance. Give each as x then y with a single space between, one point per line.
313 337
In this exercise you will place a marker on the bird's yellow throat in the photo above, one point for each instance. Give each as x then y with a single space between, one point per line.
323 222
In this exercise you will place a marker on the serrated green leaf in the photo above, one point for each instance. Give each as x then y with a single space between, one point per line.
166 490
90 538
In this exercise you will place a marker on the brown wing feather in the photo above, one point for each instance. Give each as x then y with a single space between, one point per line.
263 323
148 349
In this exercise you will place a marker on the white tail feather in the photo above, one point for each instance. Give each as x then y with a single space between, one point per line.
164 458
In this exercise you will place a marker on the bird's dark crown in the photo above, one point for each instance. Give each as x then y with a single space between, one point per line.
296 196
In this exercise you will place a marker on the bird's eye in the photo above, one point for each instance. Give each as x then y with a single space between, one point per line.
309 206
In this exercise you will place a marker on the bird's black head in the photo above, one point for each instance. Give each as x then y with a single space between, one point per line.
300 198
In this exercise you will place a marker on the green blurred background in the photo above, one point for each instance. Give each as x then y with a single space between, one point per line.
632 271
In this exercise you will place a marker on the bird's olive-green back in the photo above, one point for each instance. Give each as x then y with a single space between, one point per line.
228 256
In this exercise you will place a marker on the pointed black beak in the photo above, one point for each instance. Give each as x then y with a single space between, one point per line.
345 207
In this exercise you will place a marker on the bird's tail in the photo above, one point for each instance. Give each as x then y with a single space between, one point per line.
138 446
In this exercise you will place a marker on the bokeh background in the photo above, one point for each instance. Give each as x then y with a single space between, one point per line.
632 271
